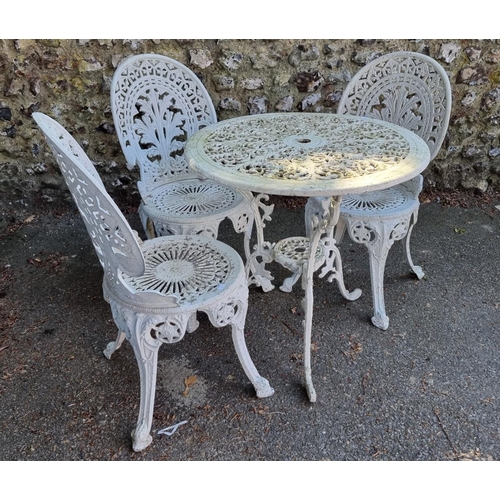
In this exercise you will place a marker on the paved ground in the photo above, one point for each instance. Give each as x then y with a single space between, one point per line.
426 389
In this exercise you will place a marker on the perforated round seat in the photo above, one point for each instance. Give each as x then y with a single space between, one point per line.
187 202
192 271
192 197
386 202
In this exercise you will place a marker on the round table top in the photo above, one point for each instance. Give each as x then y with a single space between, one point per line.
306 154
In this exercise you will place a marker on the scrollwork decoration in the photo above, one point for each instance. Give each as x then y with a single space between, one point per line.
158 104
337 151
408 89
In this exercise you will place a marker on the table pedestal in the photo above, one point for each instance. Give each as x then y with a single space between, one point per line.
319 250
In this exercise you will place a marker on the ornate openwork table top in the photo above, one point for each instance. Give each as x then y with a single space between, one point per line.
307 154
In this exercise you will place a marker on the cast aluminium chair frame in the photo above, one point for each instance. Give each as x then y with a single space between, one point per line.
156 287
411 90
407 89
157 104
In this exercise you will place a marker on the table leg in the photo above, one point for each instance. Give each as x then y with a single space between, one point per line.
307 304
262 251
321 221
317 223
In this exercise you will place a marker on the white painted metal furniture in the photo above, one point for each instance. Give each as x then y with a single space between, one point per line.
317 155
411 90
157 104
154 287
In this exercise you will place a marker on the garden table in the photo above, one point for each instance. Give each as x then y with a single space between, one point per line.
317 155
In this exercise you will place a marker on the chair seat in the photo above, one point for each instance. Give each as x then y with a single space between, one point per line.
181 274
392 201
192 198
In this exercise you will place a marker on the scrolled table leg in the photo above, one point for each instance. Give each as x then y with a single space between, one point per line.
333 261
318 227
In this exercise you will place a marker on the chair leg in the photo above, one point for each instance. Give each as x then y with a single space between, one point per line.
340 230
261 384
376 236
146 333
378 252
146 353
406 241
141 438
147 223
234 313
147 358
193 323
113 346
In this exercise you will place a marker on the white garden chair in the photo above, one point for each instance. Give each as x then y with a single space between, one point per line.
157 104
407 89
154 287
411 90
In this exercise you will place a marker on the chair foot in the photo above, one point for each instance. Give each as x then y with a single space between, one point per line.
140 443
110 349
418 271
113 346
263 388
381 321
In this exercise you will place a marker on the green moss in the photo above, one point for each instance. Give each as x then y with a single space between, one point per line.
495 77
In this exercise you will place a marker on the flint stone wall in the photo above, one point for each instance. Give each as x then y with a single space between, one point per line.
70 81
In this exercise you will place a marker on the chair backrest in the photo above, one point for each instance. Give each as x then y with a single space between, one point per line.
111 234
157 104
404 88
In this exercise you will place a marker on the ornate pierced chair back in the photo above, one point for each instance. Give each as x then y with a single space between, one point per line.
405 88
112 236
157 104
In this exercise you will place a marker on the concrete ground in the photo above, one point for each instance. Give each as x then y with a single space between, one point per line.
425 389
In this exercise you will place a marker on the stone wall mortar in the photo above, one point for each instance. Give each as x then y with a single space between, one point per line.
70 81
